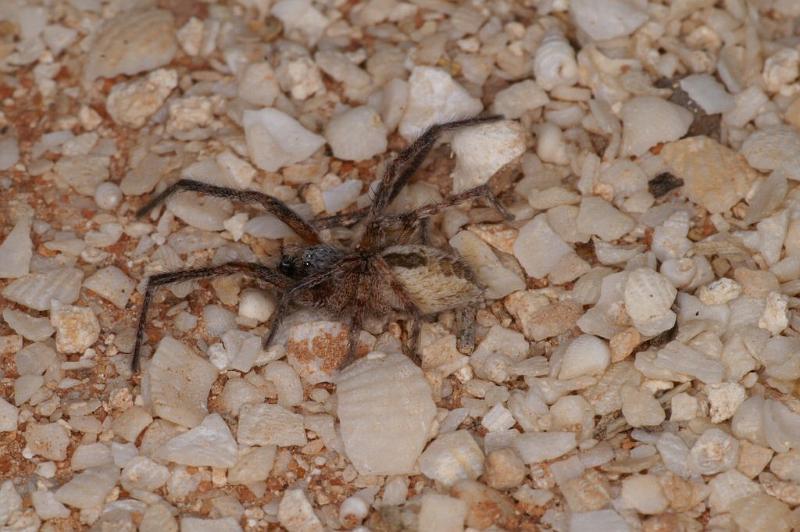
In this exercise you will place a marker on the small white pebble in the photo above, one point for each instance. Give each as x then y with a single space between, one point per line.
719 292
714 451
776 313
644 494
256 304
353 510
585 355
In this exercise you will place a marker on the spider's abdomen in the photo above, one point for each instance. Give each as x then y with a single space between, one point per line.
435 280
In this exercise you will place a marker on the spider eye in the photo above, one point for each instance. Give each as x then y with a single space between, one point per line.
286 266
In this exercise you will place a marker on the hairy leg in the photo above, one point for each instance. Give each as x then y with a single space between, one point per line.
409 160
272 205
258 271
465 329
408 304
408 223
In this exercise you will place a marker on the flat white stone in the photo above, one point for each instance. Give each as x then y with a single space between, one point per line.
132 42
10 501
47 506
535 447
708 93
91 455
33 329
356 134
535 236
88 489
385 409
266 424
179 382
296 514
112 284
648 120
498 280
253 464
598 217
16 251
258 85
38 290
433 98
275 139
481 151
208 444
8 416
440 512
451 457
607 19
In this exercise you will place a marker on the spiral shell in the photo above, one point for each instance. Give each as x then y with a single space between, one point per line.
554 63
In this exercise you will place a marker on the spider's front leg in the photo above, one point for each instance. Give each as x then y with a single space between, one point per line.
410 159
271 204
255 270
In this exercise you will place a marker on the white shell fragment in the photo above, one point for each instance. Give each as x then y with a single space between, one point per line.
585 355
179 382
384 402
648 120
16 251
356 134
33 329
708 93
648 299
132 42
498 280
296 514
773 148
452 457
275 139
88 489
434 97
607 19
38 290
533 237
483 150
265 424
554 63
112 284
208 444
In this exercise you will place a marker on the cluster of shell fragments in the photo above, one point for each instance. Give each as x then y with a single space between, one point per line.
637 357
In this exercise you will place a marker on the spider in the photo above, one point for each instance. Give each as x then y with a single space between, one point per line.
383 271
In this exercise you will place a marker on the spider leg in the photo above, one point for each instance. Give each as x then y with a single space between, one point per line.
409 160
272 205
408 223
253 269
465 329
341 220
479 192
408 305
353 333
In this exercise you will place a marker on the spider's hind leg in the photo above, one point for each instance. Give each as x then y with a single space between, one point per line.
465 329
255 270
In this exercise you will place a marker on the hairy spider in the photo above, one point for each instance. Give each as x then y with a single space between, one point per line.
383 271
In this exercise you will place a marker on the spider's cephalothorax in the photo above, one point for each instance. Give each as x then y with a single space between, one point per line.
383 271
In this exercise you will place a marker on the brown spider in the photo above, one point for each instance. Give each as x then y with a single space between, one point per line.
383 272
